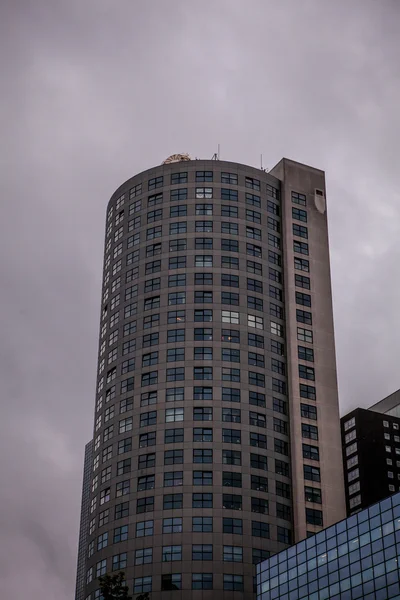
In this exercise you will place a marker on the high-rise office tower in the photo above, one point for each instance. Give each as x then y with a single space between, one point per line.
216 437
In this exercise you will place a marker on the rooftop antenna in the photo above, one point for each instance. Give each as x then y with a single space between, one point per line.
215 156
266 170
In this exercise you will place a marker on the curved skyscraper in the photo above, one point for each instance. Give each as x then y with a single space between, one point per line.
216 438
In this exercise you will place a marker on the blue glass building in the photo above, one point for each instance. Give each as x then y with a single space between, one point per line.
356 558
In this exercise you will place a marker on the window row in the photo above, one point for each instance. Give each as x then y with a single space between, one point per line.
200 260
201 434
202 316
231 415
199 500
199 316
178 394
205 374
202 297
130 292
173 581
181 210
233 526
182 177
204 353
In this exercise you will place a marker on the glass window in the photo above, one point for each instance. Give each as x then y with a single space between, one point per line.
202 581
308 411
298 198
228 194
204 226
173 436
176 316
312 495
155 182
142 584
257 399
177 262
203 261
232 502
172 502
232 554
172 581
230 228
229 245
174 414
233 526
260 529
256 321
177 228
178 195
202 552
229 211
202 434
229 262
175 335
300 247
349 424
203 243
204 192
203 297
231 415
202 414
311 473
204 176
143 556
252 183
171 553
175 354
233 583
172 525
231 436
310 452
253 250
230 178
314 517
202 393
173 478
203 456
200 500
173 457
231 457
177 178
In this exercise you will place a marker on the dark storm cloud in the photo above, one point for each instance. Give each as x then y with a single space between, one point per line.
95 91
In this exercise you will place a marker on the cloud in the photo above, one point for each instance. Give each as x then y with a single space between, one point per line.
94 92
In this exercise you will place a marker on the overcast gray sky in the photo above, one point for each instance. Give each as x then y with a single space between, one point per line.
94 91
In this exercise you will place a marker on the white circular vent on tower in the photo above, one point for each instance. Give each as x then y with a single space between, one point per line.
176 158
319 201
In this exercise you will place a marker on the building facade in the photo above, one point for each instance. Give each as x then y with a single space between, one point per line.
84 522
216 435
358 558
371 457
389 405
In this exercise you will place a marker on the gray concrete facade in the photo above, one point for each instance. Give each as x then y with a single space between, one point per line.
201 414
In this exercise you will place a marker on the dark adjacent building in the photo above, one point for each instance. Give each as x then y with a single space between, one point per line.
216 428
84 522
371 455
